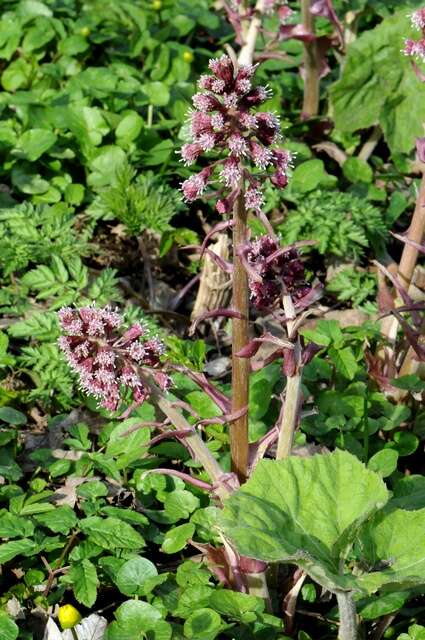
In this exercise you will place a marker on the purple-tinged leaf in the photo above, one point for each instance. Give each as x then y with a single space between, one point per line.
215 313
310 298
169 434
296 32
289 247
412 336
221 226
309 352
324 9
221 400
398 286
257 365
253 346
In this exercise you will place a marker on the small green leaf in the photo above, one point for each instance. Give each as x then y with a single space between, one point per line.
405 442
384 462
129 127
111 533
204 623
33 143
344 361
11 416
13 526
309 175
74 193
157 92
180 504
357 170
8 629
176 538
61 520
83 577
133 574
10 550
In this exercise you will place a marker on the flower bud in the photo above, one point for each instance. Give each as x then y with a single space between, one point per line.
68 616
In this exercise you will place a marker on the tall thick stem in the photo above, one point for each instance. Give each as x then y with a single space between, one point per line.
240 366
293 387
348 628
311 66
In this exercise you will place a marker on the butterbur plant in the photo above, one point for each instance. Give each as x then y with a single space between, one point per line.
227 123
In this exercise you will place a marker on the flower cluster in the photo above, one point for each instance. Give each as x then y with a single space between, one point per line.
274 272
226 120
416 48
108 361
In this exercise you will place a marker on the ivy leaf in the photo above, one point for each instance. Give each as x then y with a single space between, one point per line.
304 510
133 574
134 618
83 577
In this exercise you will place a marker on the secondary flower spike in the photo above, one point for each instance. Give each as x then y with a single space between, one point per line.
227 124
107 359
416 48
273 272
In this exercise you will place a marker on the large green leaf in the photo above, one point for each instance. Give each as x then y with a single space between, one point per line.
378 85
392 542
305 510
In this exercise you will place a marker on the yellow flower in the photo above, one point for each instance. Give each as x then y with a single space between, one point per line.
157 5
85 31
188 56
68 616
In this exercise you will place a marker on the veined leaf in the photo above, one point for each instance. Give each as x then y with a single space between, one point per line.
84 580
304 510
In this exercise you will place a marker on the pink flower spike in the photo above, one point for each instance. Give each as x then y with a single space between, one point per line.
106 361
